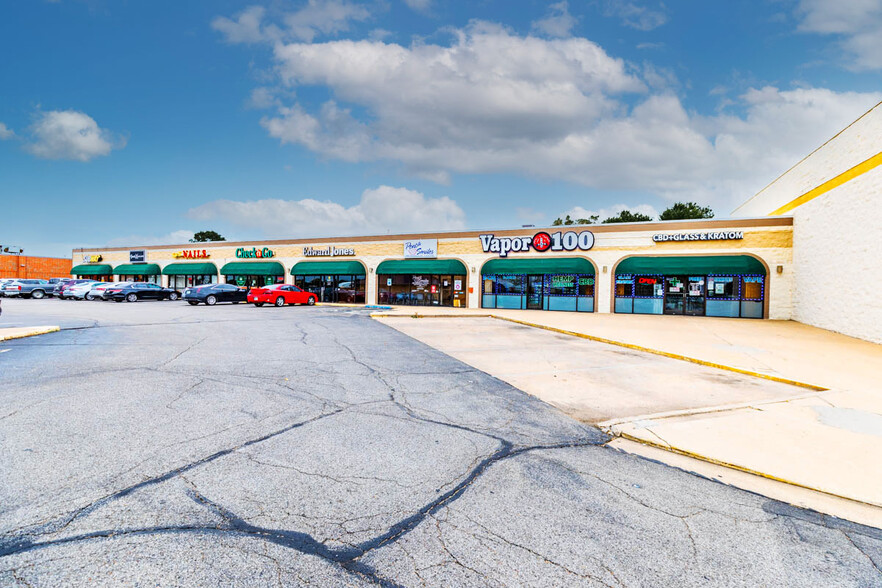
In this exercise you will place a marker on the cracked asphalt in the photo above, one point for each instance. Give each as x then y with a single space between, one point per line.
155 444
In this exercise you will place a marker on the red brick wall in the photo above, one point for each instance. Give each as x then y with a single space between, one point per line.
24 266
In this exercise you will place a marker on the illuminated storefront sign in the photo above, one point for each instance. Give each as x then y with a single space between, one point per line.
191 254
329 251
254 252
711 236
92 258
542 241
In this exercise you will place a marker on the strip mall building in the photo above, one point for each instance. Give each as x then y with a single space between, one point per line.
815 229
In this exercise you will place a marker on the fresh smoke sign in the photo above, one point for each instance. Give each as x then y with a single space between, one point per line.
542 241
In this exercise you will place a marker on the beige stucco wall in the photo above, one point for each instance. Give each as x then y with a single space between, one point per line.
772 244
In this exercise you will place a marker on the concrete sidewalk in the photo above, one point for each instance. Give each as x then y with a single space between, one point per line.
827 439
21 332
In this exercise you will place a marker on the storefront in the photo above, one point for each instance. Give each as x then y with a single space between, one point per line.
332 281
253 274
422 282
555 283
138 272
99 272
721 285
187 275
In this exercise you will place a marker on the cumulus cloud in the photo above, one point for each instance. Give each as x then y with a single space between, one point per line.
5 132
419 5
385 209
316 17
857 23
70 134
173 238
602 214
563 109
636 16
557 23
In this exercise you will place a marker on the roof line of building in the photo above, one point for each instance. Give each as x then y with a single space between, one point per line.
598 228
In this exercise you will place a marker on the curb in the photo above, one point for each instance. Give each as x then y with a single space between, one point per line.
733 466
29 333
667 354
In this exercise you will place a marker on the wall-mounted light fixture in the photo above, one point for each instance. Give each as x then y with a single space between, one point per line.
605 269
780 269
473 269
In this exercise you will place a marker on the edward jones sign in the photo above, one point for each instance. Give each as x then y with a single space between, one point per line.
541 242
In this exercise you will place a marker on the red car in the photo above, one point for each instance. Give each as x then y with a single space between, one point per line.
280 295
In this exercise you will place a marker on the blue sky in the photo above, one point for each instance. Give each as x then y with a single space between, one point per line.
139 123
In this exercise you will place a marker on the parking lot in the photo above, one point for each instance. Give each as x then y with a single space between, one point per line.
156 443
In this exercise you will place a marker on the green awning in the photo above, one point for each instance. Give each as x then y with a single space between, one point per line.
137 269
331 268
100 269
190 269
422 266
547 265
253 268
698 265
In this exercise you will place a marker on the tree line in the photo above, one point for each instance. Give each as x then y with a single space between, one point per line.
677 211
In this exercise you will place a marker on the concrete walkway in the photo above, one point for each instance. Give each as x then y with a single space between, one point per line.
828 438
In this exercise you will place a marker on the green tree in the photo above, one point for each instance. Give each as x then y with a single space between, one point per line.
626 216
205 236
579 221
682 210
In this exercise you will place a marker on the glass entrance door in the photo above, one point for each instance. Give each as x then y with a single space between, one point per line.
675 293
534 292
695 296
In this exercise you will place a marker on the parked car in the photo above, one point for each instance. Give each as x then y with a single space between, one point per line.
26 288
99 289
280 295
134 291
61 288
211 294
81 291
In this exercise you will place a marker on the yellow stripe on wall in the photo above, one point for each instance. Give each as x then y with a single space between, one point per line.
846 176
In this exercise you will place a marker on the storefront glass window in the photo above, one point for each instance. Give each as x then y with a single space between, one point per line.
586 286
562 285
182 282
624 286
422 289
566 292
253 281
649 286
722 287
333 288
752 288
148 279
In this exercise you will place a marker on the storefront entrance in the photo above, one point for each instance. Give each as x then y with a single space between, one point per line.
332 281
685 295
554 283
253 274
97 272
723 286
422 282
188 275
138 272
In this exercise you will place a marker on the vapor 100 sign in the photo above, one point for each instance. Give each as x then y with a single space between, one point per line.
542 241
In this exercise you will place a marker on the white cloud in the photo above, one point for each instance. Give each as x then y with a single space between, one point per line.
5 132
858 23
602 214
558 23
636 16
173 238
246 28
419 5
382 210
69 134
316 17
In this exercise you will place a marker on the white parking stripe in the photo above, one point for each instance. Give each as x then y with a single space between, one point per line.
5 350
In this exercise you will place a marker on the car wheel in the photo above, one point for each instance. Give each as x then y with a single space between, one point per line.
132 297
89 297
258 304
38 294
310 301
280 301
192 303
211 300
173 296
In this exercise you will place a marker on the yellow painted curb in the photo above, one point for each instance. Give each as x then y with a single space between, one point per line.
666 354
26 333
733 466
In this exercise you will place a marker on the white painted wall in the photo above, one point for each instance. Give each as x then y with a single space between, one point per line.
837 259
